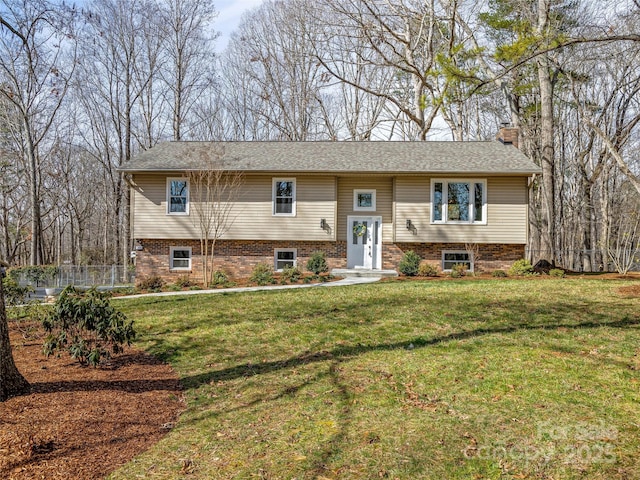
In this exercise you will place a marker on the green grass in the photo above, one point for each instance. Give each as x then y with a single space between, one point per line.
443 380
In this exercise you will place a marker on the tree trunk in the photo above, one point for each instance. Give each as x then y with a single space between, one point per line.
548 237
12 383
34 195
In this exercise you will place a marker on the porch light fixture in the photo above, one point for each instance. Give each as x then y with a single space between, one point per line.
410 225
323 224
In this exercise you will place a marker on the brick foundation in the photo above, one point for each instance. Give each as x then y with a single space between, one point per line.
490 256
238 257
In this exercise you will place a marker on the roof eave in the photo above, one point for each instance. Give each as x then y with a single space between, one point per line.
352 172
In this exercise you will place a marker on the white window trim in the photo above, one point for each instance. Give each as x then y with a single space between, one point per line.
275 257
181 179
471 181
274 181
471 260
372 208
181 269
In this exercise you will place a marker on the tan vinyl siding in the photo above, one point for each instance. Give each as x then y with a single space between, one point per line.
253 219
151 219
506 213
384 203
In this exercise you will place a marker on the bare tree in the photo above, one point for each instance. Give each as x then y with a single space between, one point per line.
401 35
188 70
624 246
214 189
115 88
279 71
34 79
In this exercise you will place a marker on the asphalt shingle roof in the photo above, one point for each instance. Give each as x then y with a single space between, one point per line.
337 157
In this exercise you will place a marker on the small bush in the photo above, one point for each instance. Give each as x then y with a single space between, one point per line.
410 264
14 294
458 270
119 291
219 279
556 272
317 263
428 270
262 274
153 283
499 273
37 274
184 281
521 268
290 274
87 326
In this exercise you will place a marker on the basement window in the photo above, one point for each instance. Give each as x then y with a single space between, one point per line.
180 258
451 258
285 258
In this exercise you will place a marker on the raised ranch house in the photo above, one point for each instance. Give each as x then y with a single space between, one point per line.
362 203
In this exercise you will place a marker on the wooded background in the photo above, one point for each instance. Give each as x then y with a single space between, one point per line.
82 90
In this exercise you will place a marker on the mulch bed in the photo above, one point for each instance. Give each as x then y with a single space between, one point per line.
630 291
82 422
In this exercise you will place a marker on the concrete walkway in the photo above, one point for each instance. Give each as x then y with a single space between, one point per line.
337 283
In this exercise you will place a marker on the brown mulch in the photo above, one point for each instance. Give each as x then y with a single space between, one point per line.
82 422
630 291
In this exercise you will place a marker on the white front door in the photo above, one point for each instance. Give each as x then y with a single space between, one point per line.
364 236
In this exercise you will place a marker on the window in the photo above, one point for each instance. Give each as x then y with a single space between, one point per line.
284 258
177 196
180 258
459 201
364 200
449 259
284 196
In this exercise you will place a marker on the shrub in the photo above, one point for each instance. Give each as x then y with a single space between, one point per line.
119 291
499 273
87 326
521 268
458 270
153 283
14 294
556 272
262 274
184 281
428 270
36 274
317 263
290 274
219 279
410 263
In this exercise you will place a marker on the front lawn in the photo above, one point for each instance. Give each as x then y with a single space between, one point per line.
483 379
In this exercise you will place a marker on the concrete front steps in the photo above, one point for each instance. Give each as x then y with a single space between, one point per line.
362 272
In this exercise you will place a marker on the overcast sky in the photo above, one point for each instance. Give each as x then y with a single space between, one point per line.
228 19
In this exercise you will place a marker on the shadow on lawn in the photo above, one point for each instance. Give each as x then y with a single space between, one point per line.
347 352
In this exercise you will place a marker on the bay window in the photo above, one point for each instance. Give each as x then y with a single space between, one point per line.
459 201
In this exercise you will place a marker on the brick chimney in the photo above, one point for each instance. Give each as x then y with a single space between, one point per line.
508 135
